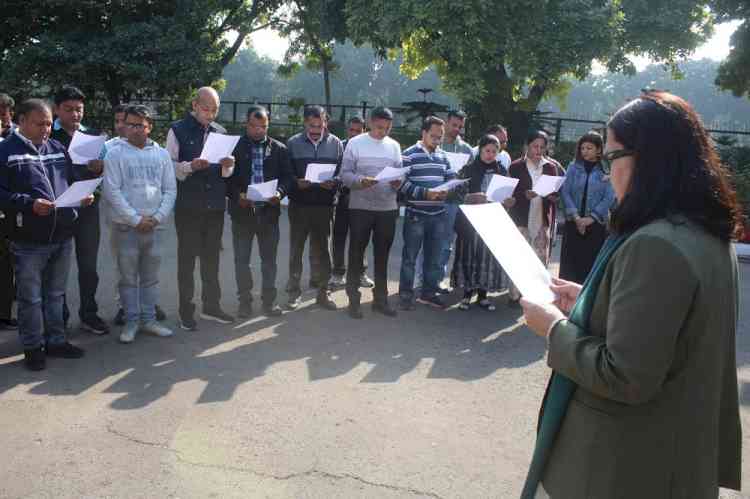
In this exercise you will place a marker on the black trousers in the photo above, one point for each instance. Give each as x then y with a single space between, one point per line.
7 281
340 233
87 235
198 236
263 226
381 227
313 222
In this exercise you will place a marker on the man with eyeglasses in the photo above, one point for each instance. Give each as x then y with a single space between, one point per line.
140 186
199 208
69 108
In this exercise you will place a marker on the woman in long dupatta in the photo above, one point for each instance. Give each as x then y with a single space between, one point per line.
643 399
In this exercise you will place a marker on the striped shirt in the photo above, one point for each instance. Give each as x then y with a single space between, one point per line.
427 170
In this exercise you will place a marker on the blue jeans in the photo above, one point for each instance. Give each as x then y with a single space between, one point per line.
41 276
138 257
428 232
451 210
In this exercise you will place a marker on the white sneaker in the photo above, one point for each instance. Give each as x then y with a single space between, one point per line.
157 329
128 332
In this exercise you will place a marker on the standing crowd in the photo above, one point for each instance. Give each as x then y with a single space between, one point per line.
143 183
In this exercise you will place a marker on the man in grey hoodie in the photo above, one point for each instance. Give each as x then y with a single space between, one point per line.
140 185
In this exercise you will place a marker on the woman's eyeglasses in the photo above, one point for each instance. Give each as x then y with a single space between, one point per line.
609 156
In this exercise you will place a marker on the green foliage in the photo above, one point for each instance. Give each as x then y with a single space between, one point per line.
126 48
737 159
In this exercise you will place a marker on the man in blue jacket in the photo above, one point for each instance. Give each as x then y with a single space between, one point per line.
34 171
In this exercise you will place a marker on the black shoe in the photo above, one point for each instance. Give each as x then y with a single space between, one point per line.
444 291
272 310
8 324
120 318
433 301
366 282
294 302
324 300
217 315
94 324
188 323
64 351
245 310
35 359
160 315
355 312
385 309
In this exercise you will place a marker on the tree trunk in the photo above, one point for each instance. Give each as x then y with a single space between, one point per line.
327 83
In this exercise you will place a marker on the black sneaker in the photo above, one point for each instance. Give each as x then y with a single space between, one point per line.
355 312
9 324
188 323
385 309
444 291
272 310
245 310
64 351
216 315
160 315
120 318
34 359
432 301
366 282
324 300
94 325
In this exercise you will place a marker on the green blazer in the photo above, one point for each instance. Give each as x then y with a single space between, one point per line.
656 412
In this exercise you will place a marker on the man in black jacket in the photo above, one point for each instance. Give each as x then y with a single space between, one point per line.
258 159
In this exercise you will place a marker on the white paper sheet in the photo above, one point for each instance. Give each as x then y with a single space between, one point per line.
218 146
457 160
547 184
449 185
501 188
390 173
318 173
77 192
262 192
511 250
83 148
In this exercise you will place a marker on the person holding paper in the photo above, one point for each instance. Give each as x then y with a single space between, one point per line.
311 206
427 222
7 279
259 159
475 269
140 186
533 214
356 126
199 209
587 197
643 396
501 133
34 170
69 108
373 209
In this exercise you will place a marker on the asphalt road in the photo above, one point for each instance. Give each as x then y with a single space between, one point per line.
434 404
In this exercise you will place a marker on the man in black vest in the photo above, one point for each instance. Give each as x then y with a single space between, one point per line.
199 209
69 108
259 159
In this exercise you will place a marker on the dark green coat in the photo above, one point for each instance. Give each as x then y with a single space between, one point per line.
656 412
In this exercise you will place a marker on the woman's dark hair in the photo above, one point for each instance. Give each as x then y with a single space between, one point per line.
488 139
677 169
591 137
537 134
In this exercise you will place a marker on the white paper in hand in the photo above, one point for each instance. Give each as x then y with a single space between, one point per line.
449 185
218 146
83 148
547 184
457 160
501 188
389 174
511 250
318 173
262 192
77 192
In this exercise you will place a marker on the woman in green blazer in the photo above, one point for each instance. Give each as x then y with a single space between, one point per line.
643 399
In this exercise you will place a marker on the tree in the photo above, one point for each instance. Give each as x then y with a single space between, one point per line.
501 58
126 48
313 27
734 72
250 77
